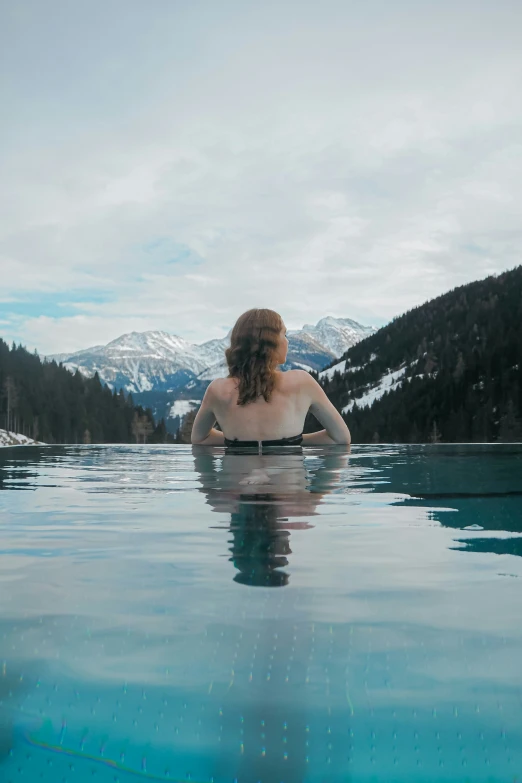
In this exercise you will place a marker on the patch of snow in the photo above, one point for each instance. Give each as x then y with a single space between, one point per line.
372 357
8 438
339 367
388 382
88 372
329 372
144 383
303 366
182 407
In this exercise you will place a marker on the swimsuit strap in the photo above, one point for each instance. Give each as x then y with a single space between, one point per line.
293 440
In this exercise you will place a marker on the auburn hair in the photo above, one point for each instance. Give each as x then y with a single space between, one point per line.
252 355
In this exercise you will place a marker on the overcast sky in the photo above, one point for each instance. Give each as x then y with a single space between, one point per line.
168 165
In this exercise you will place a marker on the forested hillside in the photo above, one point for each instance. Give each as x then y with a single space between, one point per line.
45 401
453 367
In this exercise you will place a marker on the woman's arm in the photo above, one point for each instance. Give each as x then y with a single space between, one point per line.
327 414
203 431
319 438
214 438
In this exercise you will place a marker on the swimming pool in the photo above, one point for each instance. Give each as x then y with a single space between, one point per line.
178 614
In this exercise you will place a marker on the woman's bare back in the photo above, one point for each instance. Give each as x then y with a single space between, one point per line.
281 417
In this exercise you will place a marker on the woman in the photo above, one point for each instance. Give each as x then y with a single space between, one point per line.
258 404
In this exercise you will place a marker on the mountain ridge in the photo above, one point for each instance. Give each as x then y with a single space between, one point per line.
159 368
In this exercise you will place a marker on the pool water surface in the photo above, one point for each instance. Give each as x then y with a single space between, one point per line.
302 616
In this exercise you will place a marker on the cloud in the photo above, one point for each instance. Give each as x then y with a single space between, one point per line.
192 163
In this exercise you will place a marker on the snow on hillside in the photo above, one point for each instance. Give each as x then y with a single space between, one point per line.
8 438
339 367
217 370
388 382
182 407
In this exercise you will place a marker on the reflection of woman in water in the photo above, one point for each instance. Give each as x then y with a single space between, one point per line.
258 404
262 493
259 544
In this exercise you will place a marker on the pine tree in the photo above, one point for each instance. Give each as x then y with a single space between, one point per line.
434 434
185 430
510 429
160 434
142 427
459 369
11 397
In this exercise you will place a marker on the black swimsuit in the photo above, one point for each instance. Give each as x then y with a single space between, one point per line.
294 440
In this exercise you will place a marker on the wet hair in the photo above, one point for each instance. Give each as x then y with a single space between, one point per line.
252 355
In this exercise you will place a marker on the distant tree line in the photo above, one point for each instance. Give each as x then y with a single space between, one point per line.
44 401
462 354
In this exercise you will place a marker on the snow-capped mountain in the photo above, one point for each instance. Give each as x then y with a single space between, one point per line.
336 334
161 369
145 361
304 352
159 361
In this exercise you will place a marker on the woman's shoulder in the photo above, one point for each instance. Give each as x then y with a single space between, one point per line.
222 387
300 377
296 384
223 383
